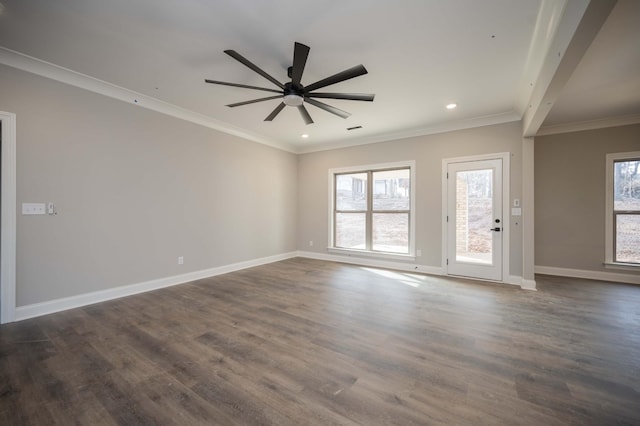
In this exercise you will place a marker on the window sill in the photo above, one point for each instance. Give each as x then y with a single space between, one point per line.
620 265
372 254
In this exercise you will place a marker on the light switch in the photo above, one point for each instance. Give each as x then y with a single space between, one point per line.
516 202
33 208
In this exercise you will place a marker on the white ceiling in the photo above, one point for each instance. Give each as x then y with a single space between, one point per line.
420 54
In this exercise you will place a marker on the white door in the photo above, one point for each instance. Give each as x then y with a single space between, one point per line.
474 219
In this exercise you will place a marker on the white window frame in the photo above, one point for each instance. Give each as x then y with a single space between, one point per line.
412 217
609 206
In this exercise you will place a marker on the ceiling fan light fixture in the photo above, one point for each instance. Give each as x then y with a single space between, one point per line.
293 100
452 106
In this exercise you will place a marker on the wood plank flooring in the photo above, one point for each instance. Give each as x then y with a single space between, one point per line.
307 342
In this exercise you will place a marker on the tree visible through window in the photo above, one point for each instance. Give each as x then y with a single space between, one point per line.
372 210
626 211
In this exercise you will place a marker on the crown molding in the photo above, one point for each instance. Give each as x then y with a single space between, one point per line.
471 123
580 126
55 72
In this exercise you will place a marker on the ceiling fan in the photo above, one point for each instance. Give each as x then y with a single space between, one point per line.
293 93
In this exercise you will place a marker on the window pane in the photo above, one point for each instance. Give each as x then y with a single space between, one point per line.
351 192
628 238
351 230
626 185
391 232
391 190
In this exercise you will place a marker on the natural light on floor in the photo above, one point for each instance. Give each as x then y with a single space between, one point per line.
405 278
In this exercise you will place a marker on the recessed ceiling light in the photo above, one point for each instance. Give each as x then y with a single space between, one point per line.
451 106
304 136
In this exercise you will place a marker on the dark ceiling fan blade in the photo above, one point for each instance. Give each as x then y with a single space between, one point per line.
300 54
224 83
238 57
337 78
305 114
275 112
329 108
253 101
348 96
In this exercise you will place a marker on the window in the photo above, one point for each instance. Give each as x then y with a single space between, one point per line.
623 209
372 209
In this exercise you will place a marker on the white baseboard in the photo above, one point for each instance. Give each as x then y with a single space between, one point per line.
528 285
403 266
521 282
513 280
77 301
591 275
377 263
57 305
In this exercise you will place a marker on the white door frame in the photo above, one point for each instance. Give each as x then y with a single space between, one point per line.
8 219
506 228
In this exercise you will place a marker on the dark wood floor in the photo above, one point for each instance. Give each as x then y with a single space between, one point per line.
305 342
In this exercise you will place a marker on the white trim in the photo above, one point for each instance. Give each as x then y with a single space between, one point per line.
46 69
378 263
408 267
372 254
412 210
623 266
451 126
608 213
580 126
527 220
528 285
513 280
546 27
57 305
591 275
55 72
506 200
577 26
8 215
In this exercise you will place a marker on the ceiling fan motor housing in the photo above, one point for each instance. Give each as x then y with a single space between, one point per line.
293 94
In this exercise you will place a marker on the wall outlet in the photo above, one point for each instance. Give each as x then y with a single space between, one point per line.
181 260
311 243
418 253
33 208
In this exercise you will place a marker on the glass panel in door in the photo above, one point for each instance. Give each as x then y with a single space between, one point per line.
474 216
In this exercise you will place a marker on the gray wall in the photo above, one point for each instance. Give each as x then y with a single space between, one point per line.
570 195
134 190
428 152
